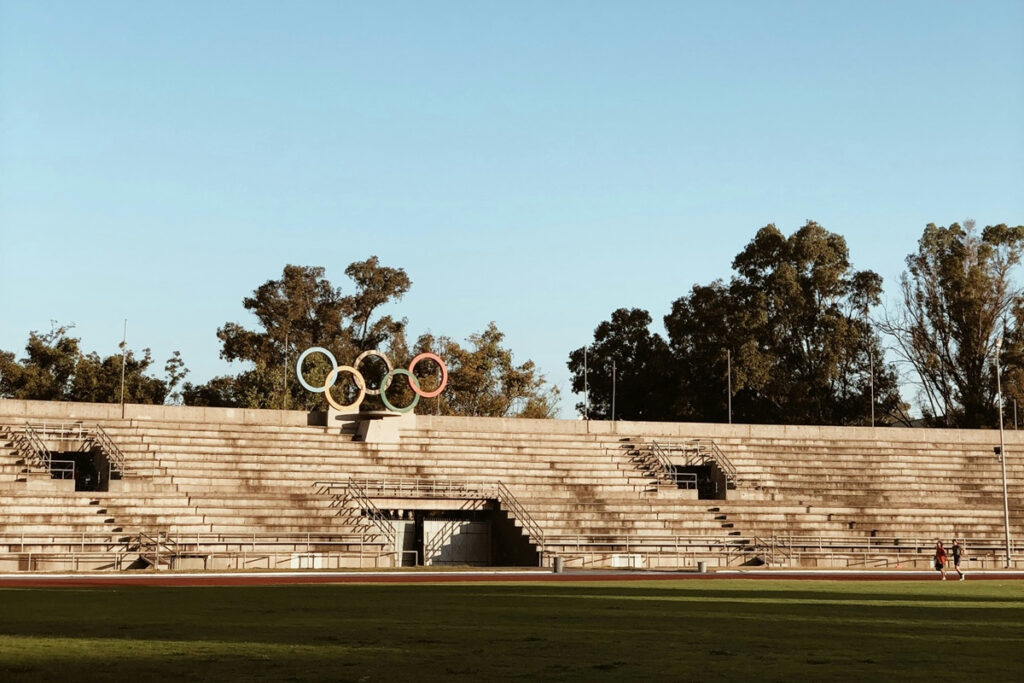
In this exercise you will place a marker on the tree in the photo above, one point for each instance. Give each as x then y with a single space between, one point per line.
642 367
704 329
55 369
376 285
303 309
46 372
798 334
484 381
793 322
297 311
957 297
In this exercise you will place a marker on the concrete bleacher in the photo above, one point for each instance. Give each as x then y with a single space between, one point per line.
210 488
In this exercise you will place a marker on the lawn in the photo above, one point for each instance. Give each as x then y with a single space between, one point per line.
632 631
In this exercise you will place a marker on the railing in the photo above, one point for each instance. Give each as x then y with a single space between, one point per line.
581 549
508 499
656 461
693 452
706 449
237 551
344 492
150 548
32 446
360 489
114 455
446 488
61 469
774 552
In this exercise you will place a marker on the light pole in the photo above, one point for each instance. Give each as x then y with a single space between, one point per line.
1002 453
284 391
124 356
871 365
613 391
586 388
728 374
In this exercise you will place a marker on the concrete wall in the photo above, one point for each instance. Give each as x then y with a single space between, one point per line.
54 410
18 410
682 430
469 542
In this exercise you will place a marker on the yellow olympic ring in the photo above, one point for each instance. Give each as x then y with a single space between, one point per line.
332 376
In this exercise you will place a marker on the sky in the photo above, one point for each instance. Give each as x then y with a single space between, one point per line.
535 164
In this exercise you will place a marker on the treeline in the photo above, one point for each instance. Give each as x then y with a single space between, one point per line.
802 336
300 310
795 336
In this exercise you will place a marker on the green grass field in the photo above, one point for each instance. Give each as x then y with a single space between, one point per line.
635 631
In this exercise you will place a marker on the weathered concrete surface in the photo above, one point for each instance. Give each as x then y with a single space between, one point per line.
21 410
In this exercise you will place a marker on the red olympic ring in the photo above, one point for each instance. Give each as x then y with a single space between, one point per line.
440 364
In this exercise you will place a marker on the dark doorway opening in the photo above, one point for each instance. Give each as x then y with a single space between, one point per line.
90 469
711 483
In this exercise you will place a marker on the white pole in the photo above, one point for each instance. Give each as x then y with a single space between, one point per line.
871 360
613 391
284 396
586 388
1002 455
728 364
124 353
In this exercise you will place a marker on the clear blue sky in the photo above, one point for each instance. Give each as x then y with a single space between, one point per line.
537 164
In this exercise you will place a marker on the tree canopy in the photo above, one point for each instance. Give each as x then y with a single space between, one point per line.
791 337
639 361
956 298
297 311
55 369
792 320
484 380
303 309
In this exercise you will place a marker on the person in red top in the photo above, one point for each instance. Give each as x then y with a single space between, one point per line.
940 559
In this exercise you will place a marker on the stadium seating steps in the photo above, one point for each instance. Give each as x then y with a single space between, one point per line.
212 488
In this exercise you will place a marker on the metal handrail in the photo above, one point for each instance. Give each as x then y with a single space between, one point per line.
353 491
114 455
509 500
60 429
62 469
402 485
696 452
717 455
453 488
191 539
149 547
34 449
855 550
657 462
924 544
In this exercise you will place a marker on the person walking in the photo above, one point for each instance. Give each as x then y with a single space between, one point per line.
959 552
940 559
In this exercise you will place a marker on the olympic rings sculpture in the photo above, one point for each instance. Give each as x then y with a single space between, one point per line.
360 381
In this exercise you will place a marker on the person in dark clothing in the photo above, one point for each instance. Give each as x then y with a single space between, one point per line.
958 553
